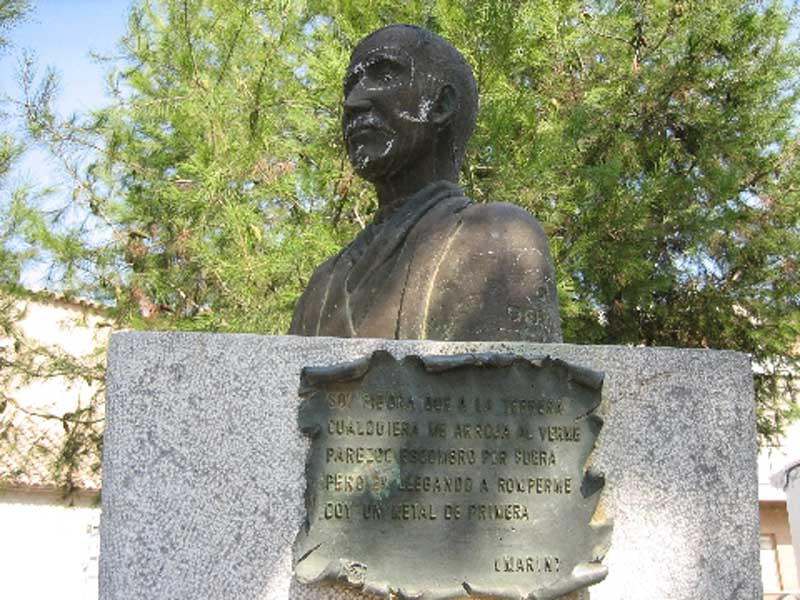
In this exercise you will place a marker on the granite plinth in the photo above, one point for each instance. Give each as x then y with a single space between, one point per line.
203 465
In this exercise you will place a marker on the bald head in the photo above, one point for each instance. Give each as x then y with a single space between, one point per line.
440 74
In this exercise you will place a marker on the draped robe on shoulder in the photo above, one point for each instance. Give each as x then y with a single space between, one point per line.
437 267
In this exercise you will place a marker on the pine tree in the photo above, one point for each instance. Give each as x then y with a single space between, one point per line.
655 141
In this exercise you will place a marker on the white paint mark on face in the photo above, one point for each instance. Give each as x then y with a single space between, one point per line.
423 112
388 148
382 68
425 107
407 116
361 159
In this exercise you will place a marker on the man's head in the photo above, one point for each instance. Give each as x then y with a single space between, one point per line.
409 98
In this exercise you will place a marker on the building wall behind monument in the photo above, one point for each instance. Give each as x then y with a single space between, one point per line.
778 560
49 545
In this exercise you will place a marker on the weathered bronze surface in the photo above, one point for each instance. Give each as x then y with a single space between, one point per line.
447 476
431 264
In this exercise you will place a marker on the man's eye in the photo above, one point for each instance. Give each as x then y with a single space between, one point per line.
387 73
383 72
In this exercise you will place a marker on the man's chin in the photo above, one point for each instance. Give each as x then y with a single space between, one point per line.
373 169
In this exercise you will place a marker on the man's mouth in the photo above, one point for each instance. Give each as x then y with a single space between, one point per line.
358 127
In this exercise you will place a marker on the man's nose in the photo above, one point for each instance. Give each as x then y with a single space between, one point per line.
355 102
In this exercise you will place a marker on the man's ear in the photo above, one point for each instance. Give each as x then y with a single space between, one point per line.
446 105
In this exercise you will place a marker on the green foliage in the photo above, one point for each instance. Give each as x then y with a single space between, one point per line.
11 13
27 234
655 141
206 187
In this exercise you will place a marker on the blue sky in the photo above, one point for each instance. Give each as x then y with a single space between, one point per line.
61 34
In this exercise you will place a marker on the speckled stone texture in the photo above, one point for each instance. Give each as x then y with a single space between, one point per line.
203 466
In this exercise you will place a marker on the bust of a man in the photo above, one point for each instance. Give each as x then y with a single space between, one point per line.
432 264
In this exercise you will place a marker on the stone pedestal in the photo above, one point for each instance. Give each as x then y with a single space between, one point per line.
203 465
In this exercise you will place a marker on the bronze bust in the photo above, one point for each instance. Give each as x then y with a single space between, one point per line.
432 264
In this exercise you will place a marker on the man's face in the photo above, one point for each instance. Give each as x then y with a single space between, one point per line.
388 97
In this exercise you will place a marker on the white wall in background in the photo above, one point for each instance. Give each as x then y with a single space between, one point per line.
48 549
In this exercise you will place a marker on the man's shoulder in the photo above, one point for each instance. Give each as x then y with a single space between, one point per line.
321 275
499 213
503 225
485 271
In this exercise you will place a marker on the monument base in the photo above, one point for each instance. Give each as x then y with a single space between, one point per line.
203 465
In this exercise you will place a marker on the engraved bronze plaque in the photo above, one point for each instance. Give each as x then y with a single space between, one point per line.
448 476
